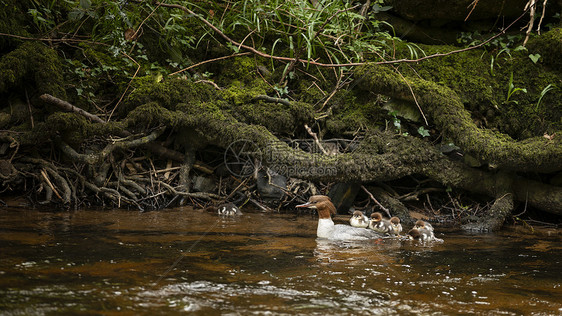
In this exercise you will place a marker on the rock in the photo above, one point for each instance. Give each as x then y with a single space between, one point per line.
343 195
271 184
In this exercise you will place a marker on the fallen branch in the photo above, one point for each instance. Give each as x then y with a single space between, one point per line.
70 108
271 99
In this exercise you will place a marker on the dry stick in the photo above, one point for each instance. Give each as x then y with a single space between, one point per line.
216 86
147 17
375 200
413 95
271 99
128 86
309 130
209 61
397 61
473 4
44 174
542 16
53 39
71 108
532 4
29 108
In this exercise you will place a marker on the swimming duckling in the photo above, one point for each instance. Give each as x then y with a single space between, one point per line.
228 209
380 225
423 235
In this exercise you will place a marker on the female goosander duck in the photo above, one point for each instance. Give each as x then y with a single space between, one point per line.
421 224
327 228
396 226
359 220
228 209
380 225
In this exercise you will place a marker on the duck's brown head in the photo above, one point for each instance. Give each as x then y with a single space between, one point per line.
395 220
376 217
322 204
358 214
419 224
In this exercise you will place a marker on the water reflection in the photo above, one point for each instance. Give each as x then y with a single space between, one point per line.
187 260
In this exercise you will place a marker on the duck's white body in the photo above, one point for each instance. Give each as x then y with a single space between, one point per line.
327 229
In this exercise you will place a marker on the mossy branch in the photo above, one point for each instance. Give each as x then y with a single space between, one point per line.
97 158
444 107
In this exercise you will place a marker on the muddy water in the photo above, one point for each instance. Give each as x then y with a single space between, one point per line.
178 261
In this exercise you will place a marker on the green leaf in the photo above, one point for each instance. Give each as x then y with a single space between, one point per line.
534 57
423 132
85 4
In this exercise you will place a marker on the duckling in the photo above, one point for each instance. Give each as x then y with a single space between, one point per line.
379 224
228 209
422 224
359 220
396 226
423 235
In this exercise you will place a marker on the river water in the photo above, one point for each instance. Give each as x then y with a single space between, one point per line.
182 260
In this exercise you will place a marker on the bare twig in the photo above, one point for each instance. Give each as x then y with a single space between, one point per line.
311 133
209 61
128 85
532 5
29 108
473 4
376 201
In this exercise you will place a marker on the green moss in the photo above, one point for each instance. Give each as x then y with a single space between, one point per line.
211 110
448 113
12 18
73 128
32 62
276 117
168 93
467 73
353 112
243 69
149 115
239 93
549 46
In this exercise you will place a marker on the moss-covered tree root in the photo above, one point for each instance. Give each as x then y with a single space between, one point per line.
445 109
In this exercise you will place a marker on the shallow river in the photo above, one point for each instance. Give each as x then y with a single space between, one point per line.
181 260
